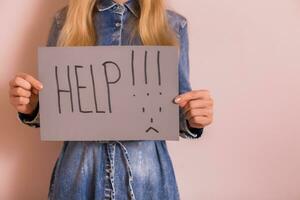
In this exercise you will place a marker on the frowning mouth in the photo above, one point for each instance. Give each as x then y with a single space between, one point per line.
153 129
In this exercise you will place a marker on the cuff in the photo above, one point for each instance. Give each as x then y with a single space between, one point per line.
32 119
186 131
191 132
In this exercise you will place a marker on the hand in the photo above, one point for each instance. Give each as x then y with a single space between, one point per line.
23 93
197 107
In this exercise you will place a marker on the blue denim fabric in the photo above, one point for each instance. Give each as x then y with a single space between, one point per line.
118 170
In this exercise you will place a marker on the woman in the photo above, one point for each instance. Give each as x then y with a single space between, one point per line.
113 169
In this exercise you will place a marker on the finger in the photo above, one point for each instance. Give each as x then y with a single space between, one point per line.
194 94
20 82
197 104
21 108
198 112
20 92
20 101
34 82
199 121
35 91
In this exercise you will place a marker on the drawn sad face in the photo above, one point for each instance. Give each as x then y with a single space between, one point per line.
149 81
152 127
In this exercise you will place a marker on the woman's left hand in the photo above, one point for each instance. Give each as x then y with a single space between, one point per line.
197 107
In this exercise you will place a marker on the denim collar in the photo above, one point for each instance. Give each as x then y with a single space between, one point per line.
132 5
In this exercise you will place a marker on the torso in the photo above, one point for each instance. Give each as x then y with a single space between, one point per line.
103 170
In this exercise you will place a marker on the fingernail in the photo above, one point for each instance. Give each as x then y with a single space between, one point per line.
177 99
41 86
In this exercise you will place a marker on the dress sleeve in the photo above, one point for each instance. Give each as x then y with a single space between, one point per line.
33 119
186 131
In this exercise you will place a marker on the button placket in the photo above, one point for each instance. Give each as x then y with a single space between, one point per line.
120 10
109 190
111 157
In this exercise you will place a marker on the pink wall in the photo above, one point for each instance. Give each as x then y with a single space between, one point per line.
245 52
25 162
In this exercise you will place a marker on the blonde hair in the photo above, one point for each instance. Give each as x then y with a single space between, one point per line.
152 25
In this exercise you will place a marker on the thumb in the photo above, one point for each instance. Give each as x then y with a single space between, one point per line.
180 101
36 84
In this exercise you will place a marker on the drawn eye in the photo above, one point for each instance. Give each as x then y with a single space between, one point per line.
159 109
143 109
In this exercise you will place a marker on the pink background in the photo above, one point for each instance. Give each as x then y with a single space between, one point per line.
245 52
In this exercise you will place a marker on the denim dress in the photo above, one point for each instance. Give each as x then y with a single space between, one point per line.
118 170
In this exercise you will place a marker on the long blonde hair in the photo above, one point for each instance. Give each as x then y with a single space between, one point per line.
152 25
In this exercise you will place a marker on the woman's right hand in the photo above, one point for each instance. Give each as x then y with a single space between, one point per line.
23 92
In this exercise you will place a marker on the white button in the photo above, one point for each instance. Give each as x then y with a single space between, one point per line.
120 7
118 24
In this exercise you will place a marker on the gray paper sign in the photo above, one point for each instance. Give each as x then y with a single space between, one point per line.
108 93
